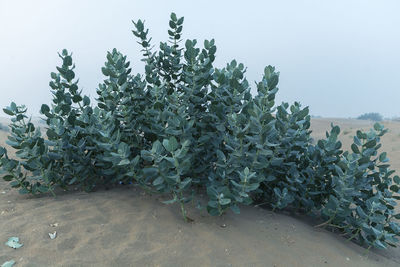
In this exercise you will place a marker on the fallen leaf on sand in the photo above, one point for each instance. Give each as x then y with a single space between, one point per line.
53 235
54 224
8 263
13 242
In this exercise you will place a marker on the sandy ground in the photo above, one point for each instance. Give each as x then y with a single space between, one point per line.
126 227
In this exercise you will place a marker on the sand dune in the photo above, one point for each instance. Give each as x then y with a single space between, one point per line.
126 227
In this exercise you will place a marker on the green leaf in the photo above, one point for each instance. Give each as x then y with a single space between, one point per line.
124 162
8 112
180 21
212 204
370 144
357 141
69 75
213 211
224 201
172 201
13 144
235 209
73 88
355 149
67 61
54 156
8 177
361 212
23 191
378 126
394 188
150 172
382 157
76 98
221 155
171 144
13 107
51 134
43 189
105 71
158 181
173 16
379 244
86 101
15 184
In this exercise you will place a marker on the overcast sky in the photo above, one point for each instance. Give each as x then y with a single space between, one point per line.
341 58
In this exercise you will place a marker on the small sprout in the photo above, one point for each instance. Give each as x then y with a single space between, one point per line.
13 242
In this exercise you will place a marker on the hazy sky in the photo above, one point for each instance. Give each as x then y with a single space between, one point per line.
341 58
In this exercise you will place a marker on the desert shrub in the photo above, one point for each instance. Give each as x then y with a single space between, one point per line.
373 116
185 126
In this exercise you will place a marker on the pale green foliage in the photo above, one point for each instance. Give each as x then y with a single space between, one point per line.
186 126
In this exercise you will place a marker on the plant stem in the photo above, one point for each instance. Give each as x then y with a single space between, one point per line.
354 235
183 211
327 222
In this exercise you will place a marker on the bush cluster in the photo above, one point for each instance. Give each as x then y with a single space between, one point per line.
372 116
185 127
